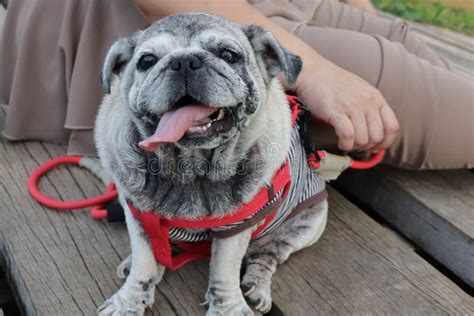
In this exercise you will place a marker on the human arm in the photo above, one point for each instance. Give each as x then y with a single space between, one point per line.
359 114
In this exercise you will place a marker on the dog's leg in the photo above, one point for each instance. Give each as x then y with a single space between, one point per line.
138 292
265 254
224 294
123 270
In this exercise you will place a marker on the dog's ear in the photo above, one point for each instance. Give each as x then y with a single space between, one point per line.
118 56
276 58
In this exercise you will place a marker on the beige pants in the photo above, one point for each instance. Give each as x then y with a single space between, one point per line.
54 92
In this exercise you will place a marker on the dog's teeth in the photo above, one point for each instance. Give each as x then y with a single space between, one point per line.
197 129
221 115
208 125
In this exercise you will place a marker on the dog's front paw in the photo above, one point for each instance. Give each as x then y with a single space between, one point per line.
128 302
223 304
256 286
121 306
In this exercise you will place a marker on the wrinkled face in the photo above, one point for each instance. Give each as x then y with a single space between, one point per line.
195 79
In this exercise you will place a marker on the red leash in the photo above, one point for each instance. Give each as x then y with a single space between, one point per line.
158 228
97 203
315 162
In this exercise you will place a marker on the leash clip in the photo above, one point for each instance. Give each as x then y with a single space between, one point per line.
329 166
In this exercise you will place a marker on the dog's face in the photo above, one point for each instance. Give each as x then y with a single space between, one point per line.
195 80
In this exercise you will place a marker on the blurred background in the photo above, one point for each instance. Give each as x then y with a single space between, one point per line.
456 15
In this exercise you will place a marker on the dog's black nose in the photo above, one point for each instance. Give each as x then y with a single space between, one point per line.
190 61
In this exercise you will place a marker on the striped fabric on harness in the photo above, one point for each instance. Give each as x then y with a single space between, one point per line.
304 185
294 184
295 191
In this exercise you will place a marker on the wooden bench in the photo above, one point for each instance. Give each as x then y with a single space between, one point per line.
64 263
433 209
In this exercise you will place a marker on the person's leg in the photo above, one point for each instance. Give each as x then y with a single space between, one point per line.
28 83
337 15
50 71
333 14
433 104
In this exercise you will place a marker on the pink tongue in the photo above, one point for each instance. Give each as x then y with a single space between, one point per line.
174 124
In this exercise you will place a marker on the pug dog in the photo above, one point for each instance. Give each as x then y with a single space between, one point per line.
195 123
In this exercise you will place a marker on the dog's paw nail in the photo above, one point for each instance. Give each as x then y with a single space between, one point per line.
123 270
258 294
106 309
248 289
260 305
205 303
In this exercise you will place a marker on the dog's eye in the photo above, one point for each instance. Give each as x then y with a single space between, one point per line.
146 61
229 56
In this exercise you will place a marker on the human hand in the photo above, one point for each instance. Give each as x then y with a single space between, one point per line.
358 112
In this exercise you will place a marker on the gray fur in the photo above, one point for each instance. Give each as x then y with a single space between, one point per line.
119 54
192 179
276 58
265 254
246 88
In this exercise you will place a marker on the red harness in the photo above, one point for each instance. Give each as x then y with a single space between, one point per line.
157 228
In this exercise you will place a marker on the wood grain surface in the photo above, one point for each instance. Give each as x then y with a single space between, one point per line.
63 263
433 209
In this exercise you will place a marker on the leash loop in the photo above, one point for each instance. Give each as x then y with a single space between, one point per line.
374 160
96 202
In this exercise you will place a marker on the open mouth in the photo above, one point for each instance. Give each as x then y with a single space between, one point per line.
204 126
189 121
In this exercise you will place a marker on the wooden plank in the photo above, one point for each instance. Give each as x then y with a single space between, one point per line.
64 263
434 209
5 293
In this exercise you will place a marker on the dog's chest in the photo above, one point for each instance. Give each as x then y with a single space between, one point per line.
304 185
